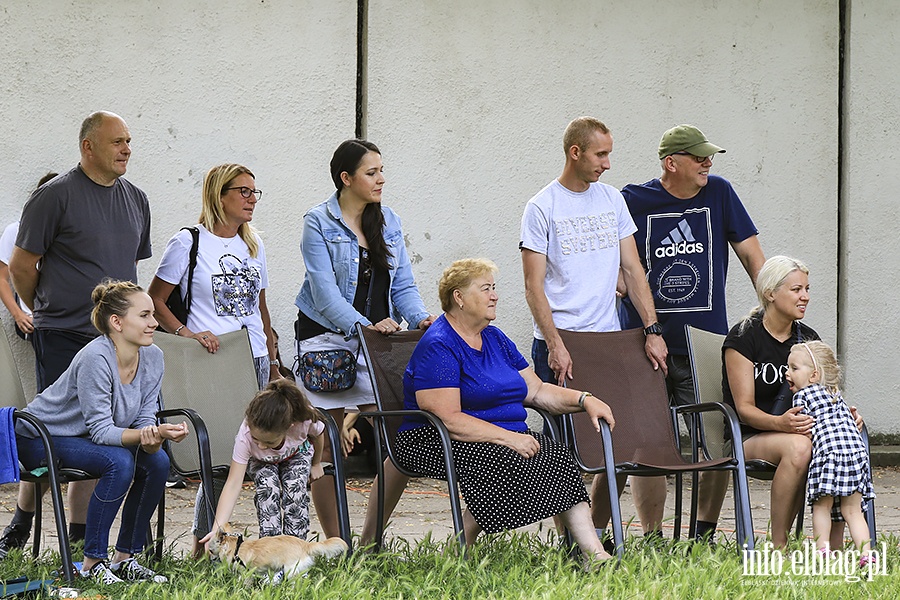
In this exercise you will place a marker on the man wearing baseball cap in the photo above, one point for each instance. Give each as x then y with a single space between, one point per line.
686 220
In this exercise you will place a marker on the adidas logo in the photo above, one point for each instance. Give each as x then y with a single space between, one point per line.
679 241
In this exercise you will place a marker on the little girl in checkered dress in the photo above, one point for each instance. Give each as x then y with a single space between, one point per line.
839 472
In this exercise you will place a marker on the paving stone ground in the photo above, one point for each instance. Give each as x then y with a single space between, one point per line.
424 508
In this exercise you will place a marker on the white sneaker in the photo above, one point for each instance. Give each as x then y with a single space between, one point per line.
102 573
131 570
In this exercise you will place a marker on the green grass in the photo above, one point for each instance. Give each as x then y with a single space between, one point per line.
504 566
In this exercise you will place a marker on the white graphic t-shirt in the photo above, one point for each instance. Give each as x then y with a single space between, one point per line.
227 283
579 233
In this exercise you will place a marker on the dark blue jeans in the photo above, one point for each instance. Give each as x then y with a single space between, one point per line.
125 474
54 350
539 356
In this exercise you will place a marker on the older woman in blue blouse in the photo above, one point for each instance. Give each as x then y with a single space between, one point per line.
470 374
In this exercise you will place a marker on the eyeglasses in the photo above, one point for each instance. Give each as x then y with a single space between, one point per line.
698 159
246 192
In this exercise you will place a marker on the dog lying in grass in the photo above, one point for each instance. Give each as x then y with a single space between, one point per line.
275 553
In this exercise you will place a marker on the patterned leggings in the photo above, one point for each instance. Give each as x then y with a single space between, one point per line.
282 495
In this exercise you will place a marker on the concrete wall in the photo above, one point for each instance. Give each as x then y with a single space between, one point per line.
468 101
871 243
268 84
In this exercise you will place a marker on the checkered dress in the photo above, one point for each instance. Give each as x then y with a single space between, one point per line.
840 463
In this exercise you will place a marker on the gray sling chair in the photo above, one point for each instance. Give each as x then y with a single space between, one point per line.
387 357
12 395
705 351
212 391
614 367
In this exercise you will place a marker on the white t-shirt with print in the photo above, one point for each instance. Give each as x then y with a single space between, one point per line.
7 243
579 233
227 283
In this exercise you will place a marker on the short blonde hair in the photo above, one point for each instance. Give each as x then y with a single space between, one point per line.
212 213
824 361
578 132
771 276
460 275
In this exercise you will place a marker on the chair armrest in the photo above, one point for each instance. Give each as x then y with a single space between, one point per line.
202 433
731 420
549 421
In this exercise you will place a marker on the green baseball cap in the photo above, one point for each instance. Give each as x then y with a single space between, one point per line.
686 138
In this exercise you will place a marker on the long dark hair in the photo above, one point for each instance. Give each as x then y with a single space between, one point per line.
347 158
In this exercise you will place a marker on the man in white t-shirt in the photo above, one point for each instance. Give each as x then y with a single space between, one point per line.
576 235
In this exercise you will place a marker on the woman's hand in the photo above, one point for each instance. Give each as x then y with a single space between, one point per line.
598 409
349 438
385 326
207 339
24 321
857 418
316 471
173 432
522 443
150 436
426 322
795 421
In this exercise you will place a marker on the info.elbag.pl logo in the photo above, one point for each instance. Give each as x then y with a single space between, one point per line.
808 561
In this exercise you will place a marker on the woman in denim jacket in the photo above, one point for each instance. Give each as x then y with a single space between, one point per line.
357 270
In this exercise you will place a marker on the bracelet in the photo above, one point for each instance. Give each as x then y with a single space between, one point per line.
177 329
581 399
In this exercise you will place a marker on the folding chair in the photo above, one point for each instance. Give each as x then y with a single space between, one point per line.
614 367
705 351
212 391
386 358
12 395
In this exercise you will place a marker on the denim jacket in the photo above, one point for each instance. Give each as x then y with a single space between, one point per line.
331 253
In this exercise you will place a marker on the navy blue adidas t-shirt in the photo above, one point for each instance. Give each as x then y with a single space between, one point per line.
683 245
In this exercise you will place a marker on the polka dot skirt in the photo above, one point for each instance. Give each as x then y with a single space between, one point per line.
502 489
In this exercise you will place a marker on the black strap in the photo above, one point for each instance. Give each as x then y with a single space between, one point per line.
237 548
192 262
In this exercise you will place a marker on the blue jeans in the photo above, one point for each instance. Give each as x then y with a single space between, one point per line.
118 468
539 356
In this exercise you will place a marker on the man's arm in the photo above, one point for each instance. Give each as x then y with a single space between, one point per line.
750 253
24 274
534 265
642 299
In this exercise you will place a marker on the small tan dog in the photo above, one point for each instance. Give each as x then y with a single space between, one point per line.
274 553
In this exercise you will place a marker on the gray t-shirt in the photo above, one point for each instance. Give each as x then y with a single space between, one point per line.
85 232
89 399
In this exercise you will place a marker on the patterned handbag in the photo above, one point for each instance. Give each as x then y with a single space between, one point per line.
328 370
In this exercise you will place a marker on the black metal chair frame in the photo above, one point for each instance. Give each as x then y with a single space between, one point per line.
614 467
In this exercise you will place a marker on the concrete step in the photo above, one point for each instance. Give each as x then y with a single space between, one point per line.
885 456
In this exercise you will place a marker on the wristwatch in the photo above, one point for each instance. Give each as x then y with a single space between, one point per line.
655 329
274 362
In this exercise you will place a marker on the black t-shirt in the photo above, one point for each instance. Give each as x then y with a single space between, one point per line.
769 357
369 276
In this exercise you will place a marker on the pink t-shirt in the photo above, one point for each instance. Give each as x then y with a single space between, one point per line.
294 441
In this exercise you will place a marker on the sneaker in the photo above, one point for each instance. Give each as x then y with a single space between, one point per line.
867 560
175 481
131 570
14 536
101 573
273 578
